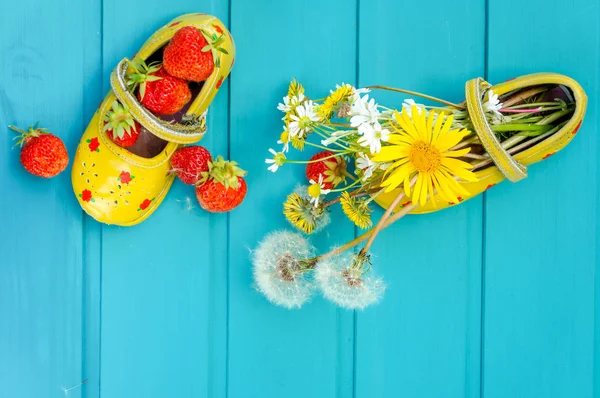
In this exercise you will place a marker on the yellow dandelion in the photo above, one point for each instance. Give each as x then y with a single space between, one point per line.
304 215
420 148
357 210
334 101
295 88
298 142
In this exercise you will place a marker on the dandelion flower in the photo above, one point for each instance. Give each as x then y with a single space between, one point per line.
343 280
295 88
280 269
421 149
300 212
336 100
357 210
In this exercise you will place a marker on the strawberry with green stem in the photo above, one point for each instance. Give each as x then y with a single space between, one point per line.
189 162
159 92
190 56
120 126
215 46
222 187
42 154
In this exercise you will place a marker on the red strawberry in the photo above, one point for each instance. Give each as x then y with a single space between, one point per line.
120 126
190 162
222 187
159 92
190 56
333 169
42 154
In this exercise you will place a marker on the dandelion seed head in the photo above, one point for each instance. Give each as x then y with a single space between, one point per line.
342 280
278 269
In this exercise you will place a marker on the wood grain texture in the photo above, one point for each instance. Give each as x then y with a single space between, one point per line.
304 352
423 340
41 326
164 282
497 297
541 234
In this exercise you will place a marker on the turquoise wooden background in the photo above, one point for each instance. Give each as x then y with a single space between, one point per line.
498 297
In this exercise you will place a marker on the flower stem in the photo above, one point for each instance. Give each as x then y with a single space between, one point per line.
321 146
346 187
316 160
522 96
518 148
429 97
382 220
392 219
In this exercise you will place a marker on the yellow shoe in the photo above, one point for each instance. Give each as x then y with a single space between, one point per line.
116 186
504 165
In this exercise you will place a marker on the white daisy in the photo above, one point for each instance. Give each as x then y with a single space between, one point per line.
284 139
342 280
409 103
275 162
372 135
289 104
316 189
279 272
364 163
364 111
286 105
302 122
357 93
493 105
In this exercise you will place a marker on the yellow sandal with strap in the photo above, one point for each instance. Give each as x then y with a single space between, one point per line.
116 186
505 165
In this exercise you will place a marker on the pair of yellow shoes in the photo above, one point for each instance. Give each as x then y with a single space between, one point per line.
116 186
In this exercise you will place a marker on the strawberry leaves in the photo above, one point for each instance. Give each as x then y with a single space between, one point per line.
214 45
142 74
119 120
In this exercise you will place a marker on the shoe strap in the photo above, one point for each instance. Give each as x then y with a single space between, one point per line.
508 166
174 132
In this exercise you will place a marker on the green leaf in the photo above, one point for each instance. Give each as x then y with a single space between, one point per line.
206 48
222 50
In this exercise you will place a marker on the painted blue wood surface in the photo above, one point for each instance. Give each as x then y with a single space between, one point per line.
497 297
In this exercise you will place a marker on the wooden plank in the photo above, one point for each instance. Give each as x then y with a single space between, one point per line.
43 78
273 351
164 282
92 231
423 340
542 233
